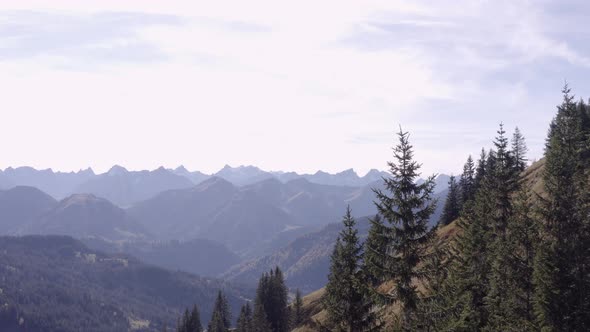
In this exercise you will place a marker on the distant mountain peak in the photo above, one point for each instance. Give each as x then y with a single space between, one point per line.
373 171
348 172
117 170
79 199
240 168
182 169
161 169
88 171
213 182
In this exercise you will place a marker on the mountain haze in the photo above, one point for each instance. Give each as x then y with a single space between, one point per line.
56 184
306 259
20 206
124 187
85 215
55 283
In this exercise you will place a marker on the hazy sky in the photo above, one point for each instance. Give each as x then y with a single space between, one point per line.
300 86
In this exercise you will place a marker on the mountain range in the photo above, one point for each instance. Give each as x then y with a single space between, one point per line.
205 228
126 188
256 213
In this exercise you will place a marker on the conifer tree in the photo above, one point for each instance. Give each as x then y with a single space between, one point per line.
467 181
502 183
480 171
523 237
407 207
182 325
260 321
500 187
519 151
473 294
278 310
436 306
195 320
297 315
271 304
221 317
244 323
562 288
452 204
345 298
190 321
376 244
466 310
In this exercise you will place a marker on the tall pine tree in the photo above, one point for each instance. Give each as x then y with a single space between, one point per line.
480 172
376 244
452 204
221 317
562 264
500 187
260 322
407 207
297 312
244 323
519 150
271 305
522 239
346 293
190 321
467 181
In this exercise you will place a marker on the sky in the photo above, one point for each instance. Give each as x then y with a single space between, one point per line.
293 86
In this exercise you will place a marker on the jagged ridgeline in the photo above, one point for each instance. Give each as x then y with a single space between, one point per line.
511 251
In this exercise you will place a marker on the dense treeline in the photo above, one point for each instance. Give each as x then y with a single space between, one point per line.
270 311
520 261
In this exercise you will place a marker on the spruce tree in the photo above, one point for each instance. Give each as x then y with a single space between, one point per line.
190 321
452 203
271 304
467 181
519 151
502 183
278 310
523 237
346 295
562 288
260 321
435 307
376 244
472 296
195 320
500 187
244 323
480 171
297 314
182 325
221 317
407 207
466 310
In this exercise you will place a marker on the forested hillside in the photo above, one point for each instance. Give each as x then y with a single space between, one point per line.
55 283
510 253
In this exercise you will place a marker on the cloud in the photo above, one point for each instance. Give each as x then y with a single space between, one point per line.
292 86
94 39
